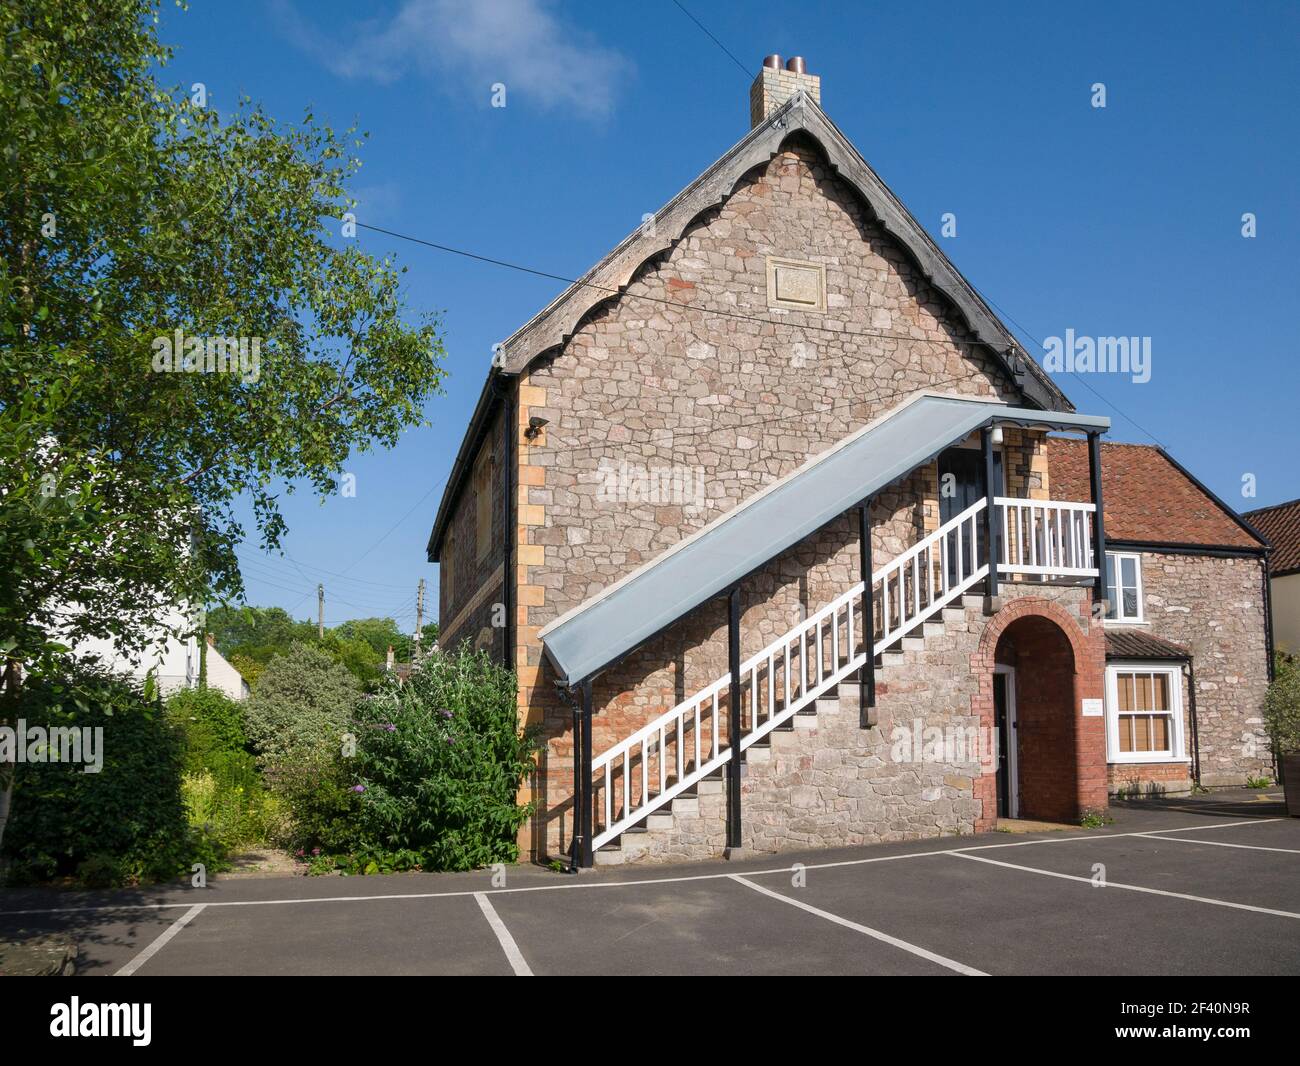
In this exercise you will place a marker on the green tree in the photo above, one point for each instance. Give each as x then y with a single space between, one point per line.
303 702
132 215
1282 705
131 212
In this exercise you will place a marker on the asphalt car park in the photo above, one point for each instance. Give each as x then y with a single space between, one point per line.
1209 885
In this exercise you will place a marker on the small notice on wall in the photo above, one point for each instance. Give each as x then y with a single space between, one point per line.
1092 709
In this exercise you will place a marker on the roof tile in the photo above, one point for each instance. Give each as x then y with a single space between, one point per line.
1147 498
1281 524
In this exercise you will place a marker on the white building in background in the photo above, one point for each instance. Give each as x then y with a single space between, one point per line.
174 661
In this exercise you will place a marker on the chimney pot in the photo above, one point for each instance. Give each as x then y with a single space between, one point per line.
775 85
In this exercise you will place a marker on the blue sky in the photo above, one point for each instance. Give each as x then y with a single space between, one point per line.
1119 221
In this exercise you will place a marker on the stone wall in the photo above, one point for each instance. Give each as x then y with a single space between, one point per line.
668 412
471 585
830 783
1215 607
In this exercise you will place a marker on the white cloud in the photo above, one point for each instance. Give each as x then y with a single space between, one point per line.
468 47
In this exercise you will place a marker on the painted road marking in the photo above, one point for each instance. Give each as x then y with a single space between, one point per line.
1128 888
162 941
507 942
631 883
1219 843
865 930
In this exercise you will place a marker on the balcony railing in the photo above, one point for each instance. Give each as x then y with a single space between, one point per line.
1042 538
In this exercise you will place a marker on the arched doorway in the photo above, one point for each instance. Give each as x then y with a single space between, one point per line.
1034 695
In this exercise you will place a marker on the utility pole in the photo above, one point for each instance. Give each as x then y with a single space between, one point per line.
320 611
419 617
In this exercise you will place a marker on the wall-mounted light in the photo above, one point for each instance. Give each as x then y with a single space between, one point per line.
997 434
535 425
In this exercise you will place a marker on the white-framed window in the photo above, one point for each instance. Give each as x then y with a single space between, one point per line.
1144 712
1123 587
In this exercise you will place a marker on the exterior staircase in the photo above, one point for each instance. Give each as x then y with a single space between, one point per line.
671 771
699 810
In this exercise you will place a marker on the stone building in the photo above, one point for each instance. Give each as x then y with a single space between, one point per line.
1281 525
678 474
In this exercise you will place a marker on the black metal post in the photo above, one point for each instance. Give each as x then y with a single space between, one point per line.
990 510
733 720
588 794
1098 521
575 848
868 687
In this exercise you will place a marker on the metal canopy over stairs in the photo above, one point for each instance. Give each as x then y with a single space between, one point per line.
602 630
631 786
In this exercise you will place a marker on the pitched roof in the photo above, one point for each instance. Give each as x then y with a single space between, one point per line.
622 617
555 323
609 278
1149 498
1134 644
1281 525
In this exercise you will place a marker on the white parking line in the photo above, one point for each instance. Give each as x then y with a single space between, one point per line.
508 945
1218 843
569 885
1128 888
162 941
941 960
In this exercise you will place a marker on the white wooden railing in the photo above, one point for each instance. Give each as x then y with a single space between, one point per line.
661 760
669 756
1046 539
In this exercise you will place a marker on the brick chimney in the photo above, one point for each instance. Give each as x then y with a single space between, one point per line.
776 84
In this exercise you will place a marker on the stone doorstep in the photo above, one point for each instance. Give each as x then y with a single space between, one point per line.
1029 825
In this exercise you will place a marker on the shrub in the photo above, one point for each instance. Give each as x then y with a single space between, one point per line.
302 703
229 801
321 803
124 823
441 760
211 723
1282 705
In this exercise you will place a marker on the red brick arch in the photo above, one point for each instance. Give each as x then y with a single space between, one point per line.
1088 790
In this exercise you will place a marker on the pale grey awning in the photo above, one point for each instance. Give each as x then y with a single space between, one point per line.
606 627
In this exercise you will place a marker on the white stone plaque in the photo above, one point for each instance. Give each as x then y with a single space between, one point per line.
1093 708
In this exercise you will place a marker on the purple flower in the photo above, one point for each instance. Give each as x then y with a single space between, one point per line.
389 727
445 714
315 851
299 853
358 788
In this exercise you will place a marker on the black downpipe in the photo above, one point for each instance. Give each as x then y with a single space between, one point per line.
510 408
1196 731
1098 518
1266 565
